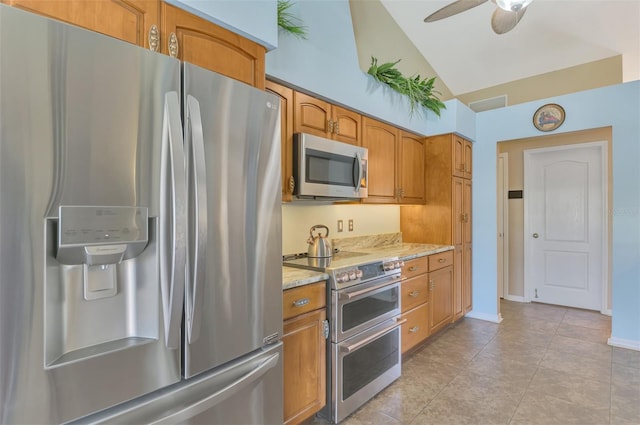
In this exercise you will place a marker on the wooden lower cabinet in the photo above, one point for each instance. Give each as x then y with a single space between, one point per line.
416 328
304 352
441 296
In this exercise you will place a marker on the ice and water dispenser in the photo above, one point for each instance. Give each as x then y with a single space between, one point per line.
101 282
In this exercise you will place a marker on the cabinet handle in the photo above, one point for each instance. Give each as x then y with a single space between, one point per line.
414 294
329 126
431 285
301 302
442 260
173 45
292 184
461 168
154 38
336 127
414 329
413 268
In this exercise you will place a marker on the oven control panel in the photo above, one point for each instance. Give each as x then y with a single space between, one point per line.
366 272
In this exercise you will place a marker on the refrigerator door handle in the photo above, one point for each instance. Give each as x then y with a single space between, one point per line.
172 221
196 252
217 397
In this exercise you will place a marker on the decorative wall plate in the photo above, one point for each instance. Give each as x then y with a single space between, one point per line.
548 117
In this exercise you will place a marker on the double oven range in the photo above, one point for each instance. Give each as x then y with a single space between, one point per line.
363 308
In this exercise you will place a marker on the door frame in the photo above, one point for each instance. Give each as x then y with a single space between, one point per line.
528 153
503 225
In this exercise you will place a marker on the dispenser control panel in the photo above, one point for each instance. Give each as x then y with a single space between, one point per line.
101 235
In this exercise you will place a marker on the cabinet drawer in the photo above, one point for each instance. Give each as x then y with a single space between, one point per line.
415 291
416 329
303 299
414 267
438 261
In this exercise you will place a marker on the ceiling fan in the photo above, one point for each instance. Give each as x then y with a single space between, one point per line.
504 18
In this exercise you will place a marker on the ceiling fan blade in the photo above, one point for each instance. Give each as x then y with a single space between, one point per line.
453 9
503 21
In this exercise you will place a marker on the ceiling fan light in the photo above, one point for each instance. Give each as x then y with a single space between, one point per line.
512 5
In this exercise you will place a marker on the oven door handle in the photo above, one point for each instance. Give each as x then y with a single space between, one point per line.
353 347
355 294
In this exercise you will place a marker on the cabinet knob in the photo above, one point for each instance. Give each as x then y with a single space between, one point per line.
413 268
414 294
442 260
414 329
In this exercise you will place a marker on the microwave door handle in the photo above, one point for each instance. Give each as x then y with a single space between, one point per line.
172 221
198 235
358 166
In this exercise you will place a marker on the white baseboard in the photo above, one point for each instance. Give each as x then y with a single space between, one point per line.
624 343
495 318
516 298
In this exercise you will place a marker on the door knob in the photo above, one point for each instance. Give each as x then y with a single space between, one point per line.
535 235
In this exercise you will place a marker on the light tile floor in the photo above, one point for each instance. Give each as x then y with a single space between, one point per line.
542 365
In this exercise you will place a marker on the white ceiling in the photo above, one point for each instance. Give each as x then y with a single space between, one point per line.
553 34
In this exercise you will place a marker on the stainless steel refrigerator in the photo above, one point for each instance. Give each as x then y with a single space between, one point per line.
140 235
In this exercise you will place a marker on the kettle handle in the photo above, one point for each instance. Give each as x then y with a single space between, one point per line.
319 226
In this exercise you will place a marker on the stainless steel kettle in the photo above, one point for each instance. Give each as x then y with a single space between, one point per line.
319 246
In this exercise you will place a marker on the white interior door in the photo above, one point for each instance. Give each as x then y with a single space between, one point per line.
564 192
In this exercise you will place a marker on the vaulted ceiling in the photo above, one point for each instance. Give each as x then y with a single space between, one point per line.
553 35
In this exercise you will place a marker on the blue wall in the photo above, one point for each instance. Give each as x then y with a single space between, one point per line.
616 106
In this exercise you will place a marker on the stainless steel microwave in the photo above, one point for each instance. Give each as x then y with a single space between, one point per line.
324 168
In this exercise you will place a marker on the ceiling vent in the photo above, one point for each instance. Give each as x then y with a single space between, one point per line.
487 104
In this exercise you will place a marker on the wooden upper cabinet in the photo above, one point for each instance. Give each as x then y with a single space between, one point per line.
382 141
205 44
412 169
285 94
347 125
320 118
127 20
311 115
461 158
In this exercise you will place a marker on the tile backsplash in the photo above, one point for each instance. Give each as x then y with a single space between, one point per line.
298 218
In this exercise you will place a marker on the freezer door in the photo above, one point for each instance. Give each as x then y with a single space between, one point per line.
245 391
84 120
234 284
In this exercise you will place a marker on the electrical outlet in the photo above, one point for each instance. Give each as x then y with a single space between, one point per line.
340 226
351 225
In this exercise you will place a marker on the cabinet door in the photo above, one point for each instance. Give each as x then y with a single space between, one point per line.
382 141
412 169
468 164
304 366
441 298
457 159
311 115
347 126
457 210
458 278
466 279
466 211
127 20
210 46
285 94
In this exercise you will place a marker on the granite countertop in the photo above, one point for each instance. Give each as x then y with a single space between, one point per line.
378 246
